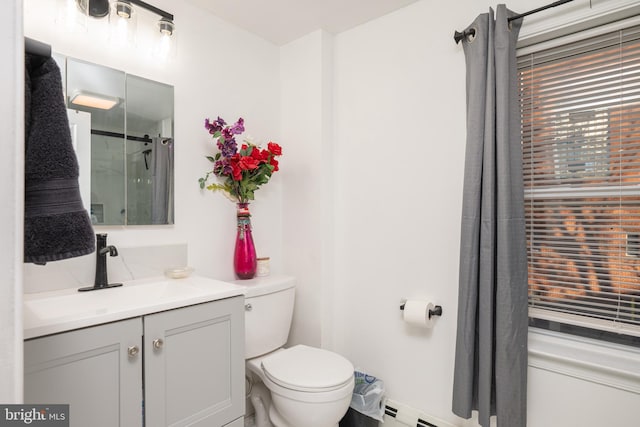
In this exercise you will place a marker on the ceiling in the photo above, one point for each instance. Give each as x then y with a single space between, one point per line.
282 21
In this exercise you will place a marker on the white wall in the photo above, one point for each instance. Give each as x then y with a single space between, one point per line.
306 101
12 194
398 142
218 70
400 129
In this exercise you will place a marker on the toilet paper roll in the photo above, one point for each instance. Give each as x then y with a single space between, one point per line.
416 312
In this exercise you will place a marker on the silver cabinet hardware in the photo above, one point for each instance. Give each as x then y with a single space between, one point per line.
133 351
158 343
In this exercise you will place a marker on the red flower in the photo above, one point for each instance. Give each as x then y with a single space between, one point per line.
261 156
273 162
275 149
236 171
247 163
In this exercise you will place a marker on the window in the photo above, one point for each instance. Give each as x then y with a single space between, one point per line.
580 106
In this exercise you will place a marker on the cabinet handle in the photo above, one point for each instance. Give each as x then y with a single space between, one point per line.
158 343
133 351
248 307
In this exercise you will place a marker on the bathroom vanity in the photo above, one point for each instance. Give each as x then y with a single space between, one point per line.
153 352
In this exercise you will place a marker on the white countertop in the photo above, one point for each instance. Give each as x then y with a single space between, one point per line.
52 312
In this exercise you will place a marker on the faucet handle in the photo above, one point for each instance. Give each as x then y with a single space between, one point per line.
113 251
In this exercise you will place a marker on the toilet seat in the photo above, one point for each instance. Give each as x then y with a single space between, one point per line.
308 369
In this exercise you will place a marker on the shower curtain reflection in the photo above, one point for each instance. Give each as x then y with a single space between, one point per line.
162 187
149 185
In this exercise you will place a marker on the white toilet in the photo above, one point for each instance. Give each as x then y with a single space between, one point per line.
297 386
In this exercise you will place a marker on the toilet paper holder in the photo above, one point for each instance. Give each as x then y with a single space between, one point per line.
437 310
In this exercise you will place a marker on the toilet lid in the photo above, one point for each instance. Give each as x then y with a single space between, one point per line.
308 369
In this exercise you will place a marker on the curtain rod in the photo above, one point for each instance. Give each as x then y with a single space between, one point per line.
457 36
121 135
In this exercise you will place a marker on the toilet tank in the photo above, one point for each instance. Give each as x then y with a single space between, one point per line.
268 311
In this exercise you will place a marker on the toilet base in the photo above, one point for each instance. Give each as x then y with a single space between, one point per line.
267 415
278 421
261 401
286 412
287 407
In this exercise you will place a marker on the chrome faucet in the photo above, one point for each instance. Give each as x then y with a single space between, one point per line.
102 250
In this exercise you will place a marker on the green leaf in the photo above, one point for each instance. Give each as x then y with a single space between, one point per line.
218 155
211 159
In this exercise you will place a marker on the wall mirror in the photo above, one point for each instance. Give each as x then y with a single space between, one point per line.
122 128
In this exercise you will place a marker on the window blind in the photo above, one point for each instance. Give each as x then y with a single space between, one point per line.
580 107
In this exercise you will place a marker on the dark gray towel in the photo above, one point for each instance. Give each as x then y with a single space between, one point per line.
56 225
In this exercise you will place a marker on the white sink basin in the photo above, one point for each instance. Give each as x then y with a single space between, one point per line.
58 311
111 299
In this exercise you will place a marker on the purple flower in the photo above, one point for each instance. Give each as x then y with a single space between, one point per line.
238 127
227 133
216 126
229 148
222 168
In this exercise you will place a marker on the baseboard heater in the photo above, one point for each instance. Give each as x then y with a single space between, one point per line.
398 415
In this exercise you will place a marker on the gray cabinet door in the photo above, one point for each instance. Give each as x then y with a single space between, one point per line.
91 370
194 365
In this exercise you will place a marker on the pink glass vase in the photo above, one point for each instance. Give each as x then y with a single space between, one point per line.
244 257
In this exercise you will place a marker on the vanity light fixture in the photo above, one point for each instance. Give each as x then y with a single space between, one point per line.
166 27
123 18
165 24
124 9
122 23
93 100
94 8
165 46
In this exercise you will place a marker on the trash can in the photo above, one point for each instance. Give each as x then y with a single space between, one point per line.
367 402
354 418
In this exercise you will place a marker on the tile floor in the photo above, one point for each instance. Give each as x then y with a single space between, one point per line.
249 421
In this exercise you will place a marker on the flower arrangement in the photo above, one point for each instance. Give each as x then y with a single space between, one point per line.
243 171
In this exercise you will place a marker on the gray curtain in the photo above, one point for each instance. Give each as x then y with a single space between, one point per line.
491 345
162 172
